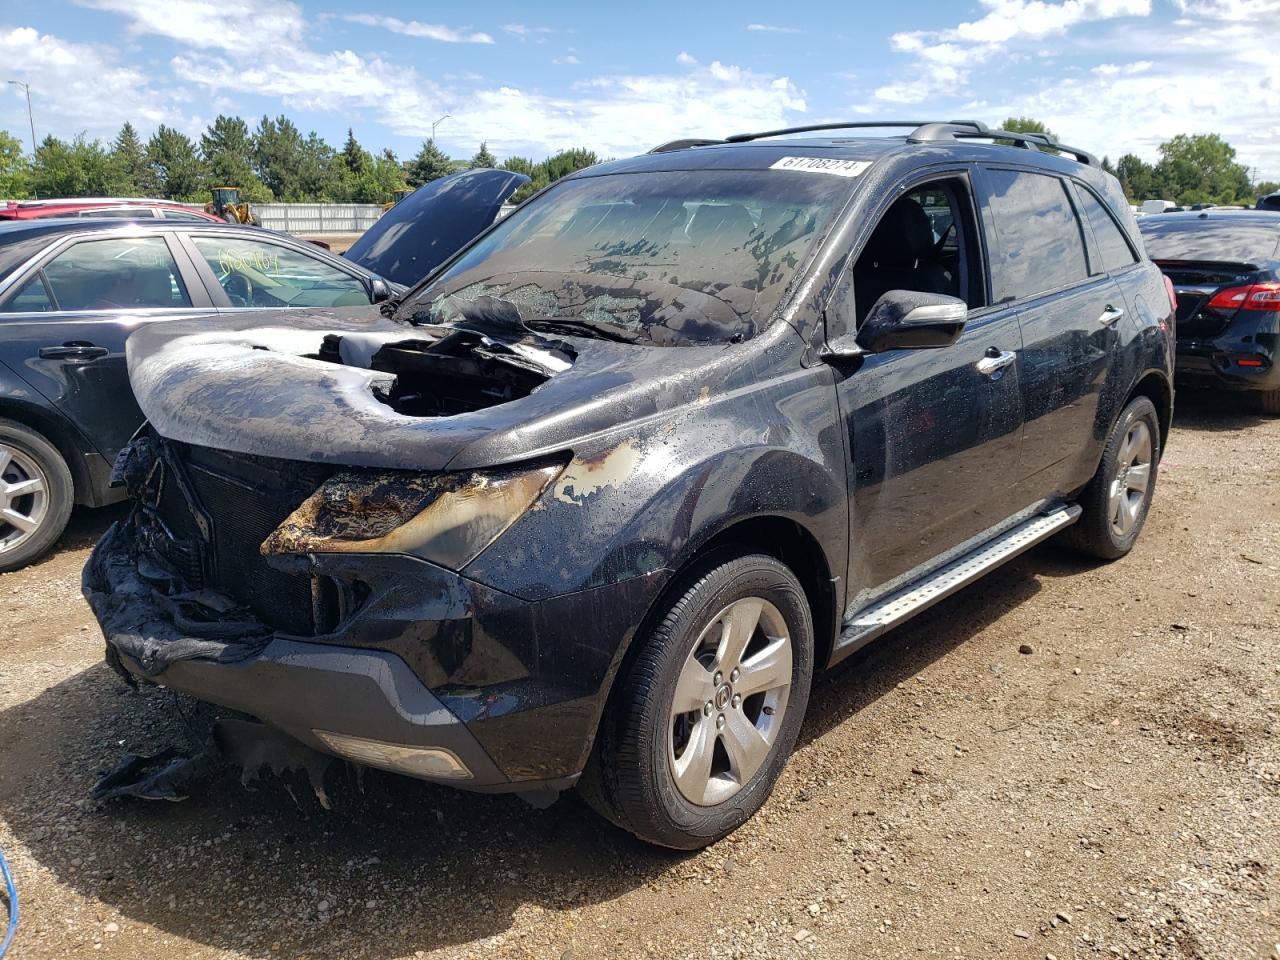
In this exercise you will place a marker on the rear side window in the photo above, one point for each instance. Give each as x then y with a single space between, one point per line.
31 298
1113 250
1041 246
125 274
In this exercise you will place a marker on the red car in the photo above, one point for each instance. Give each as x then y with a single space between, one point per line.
131 208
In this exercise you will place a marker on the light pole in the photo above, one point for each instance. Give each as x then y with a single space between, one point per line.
26 88
436 124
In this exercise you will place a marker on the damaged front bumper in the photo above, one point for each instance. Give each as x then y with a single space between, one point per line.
435 676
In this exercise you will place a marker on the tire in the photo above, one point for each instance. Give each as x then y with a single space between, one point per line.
1269 401
1108 529
644 773
30 462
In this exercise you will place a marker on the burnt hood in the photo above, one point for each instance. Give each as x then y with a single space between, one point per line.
431 224
353 388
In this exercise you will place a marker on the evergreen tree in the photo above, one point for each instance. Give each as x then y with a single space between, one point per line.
81 168
176 166
130 160
355 156
483 158
226 148
1137 178
431 163
277 156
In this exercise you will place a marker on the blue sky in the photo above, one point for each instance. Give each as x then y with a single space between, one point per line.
1108 75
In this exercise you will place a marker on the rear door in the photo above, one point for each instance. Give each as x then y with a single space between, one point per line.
63 326
1069 319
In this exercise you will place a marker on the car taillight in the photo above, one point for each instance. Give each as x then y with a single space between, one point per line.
1173 295
1258 296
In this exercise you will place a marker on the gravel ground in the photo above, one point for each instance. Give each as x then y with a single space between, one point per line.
1116 792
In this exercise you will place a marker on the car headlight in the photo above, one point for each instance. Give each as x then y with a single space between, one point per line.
447 518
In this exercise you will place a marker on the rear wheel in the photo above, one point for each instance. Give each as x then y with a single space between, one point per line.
35 495
702 723
1269 401
1118 497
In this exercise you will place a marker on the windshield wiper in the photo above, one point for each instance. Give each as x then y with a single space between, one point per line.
579 328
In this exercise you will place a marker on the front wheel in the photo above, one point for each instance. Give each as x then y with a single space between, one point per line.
700 726
1118 497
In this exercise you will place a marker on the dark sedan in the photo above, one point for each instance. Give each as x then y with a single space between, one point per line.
71 292
1225 269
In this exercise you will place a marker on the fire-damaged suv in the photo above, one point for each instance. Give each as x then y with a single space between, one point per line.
591 504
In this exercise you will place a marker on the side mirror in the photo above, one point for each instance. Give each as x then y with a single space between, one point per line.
378 290
904 320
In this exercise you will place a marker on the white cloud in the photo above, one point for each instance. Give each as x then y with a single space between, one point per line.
526 32
568 59
237 26
686 59
81 87
945 57
415 28
770 28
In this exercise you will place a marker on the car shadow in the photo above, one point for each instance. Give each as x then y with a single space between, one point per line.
397 865
1207 411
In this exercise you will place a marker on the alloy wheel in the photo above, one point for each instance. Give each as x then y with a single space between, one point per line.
1132 479
729 701
24 497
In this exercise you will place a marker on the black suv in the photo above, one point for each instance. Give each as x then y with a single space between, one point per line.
592 503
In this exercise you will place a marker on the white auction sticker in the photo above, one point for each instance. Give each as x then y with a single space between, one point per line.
839 168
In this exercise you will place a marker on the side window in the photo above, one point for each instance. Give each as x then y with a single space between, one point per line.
924 242
1041 243
120 274
120 213
1113 250
171 214
32 297
258 274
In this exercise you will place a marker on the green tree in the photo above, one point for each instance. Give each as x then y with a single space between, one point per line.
483 158
177 167
1108 166
430 163
1201 168
129 157
227 150
1026 125
354 156
535 171
1265 187
318 171
81 168
1137 178
567 161
14 168
277 156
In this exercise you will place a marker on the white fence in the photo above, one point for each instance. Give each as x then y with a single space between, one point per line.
317 217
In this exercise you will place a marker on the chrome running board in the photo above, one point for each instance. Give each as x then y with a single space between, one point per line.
873 620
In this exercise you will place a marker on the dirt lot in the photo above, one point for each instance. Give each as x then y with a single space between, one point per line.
1116 792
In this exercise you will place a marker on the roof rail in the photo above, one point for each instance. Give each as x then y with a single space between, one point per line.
671 145
922 131
974 130
59 201
813 128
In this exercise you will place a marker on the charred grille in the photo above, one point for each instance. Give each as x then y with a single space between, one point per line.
242 499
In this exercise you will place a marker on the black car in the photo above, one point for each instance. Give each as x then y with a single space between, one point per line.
592 503
1225 270
71 292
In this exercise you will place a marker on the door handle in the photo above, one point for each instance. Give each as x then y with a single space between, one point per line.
995 361
74 350
1110 315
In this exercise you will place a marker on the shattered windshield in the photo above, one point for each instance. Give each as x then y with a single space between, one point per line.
658 258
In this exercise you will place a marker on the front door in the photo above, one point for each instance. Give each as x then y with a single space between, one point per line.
64 328
933 434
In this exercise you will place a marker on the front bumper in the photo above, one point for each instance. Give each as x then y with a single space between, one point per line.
513 689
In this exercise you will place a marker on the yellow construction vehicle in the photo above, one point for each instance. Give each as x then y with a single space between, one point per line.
227 205
396 197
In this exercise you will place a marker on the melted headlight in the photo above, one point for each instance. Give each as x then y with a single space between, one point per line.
447 518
